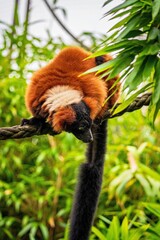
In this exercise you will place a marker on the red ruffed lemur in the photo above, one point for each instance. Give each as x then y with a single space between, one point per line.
62 96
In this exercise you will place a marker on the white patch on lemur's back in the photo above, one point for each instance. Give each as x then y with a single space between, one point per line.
61 96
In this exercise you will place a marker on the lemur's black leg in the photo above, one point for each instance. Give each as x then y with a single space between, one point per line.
32 121
89 186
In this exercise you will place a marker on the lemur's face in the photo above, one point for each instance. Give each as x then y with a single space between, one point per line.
81 128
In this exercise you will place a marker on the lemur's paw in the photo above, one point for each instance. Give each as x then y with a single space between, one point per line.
39 123
30 121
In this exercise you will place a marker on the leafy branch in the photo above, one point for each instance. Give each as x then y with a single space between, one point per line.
19 131
135 40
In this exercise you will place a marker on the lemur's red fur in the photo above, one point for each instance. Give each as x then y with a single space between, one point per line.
65 70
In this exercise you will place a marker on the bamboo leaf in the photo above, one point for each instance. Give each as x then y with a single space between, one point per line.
124 229
136 234
123 5
153 34
44 231
156 93
145 184
130 26
116 181
33 231
149 66
155 175
134 33
121 187
109 48
150 49
98 233
120 23
117 15
157 108
101 67
107 2
133 78
120 66
153 208
125 104
148 2
155 8
114 229
25 229
123 44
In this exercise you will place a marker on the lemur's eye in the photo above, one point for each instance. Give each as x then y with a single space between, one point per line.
81 128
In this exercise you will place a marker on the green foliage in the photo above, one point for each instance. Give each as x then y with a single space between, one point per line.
129 203
38 175
135 40
123 232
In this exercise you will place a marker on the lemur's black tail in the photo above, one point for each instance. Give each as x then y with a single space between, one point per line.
89 186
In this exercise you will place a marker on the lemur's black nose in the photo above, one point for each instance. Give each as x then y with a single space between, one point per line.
87 136
91 136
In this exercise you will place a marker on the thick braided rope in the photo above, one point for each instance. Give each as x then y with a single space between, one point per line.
19 131
138 103
25 131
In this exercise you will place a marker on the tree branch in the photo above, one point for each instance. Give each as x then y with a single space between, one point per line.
19 131
63 26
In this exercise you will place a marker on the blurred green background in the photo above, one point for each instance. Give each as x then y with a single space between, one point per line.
38 175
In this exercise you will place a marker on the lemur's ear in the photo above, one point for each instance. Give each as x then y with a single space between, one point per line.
64 116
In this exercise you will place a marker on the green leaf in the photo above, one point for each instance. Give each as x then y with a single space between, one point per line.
120 66
133 78
150 49
33 232
134 33
99 68
125 104
98 233
114 229
157 108
145 184
102 67
16 14
8 233
44 231
148 2
116 46
124 5
135 234
117 180
124 229
156 93
108 49
155 9
25 229
117 15
120 23
104 219
155 175
153 208
121 187
130 26
149 66
153 34
123 44
107 2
